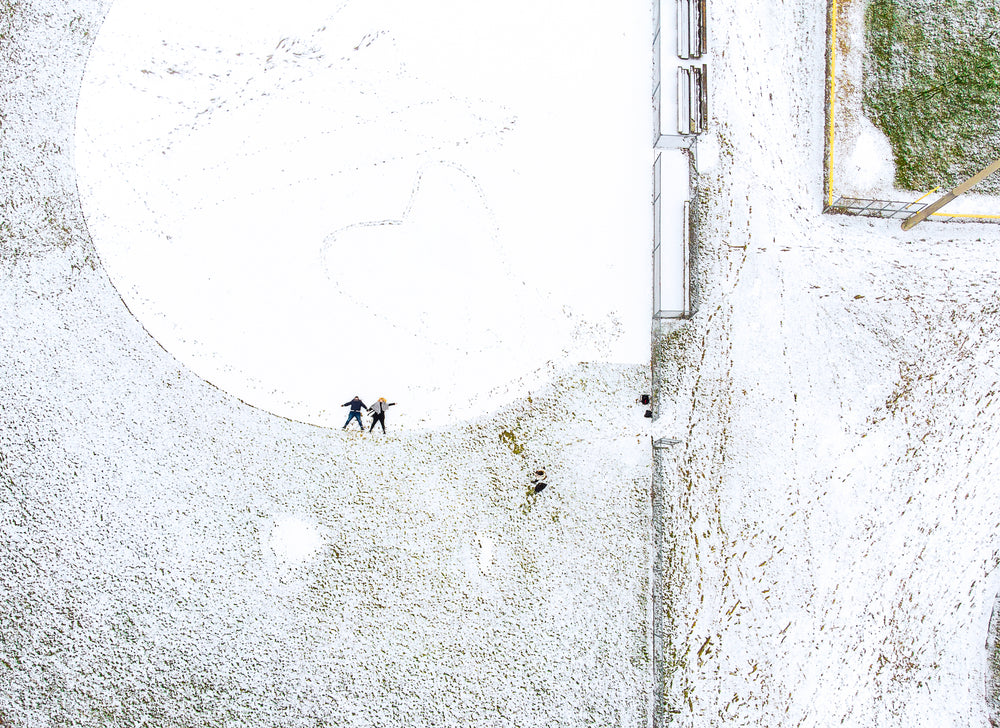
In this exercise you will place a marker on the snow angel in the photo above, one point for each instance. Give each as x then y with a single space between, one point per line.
378 413
355 414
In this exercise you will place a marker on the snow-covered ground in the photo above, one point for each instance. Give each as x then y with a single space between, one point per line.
830 516
171 555
827 523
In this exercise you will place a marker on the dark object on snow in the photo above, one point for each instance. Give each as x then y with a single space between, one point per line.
539 487
538 480
644 399
648 414
355 414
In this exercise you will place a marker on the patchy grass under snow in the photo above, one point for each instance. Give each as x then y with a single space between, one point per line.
932 85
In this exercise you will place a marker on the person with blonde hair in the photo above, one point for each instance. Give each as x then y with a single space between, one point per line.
377 411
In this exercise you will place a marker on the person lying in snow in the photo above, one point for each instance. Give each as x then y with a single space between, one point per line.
378 412
355 414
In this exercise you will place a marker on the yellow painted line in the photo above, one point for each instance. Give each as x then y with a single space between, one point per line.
958 214
923 196
833 89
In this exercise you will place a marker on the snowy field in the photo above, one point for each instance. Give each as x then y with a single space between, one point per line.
830 516
191 288
826 527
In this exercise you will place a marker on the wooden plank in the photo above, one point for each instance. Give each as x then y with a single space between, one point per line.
975 179
694 25
697 123
693 101
683 101
702 27
683 46
703 99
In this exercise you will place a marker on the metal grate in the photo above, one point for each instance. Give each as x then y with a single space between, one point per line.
874 208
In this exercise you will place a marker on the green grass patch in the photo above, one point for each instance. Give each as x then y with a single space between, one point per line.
932 85
508 438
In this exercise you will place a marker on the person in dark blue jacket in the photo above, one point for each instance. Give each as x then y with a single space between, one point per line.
356 406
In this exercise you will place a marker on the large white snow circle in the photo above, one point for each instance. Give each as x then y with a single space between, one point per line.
303 201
